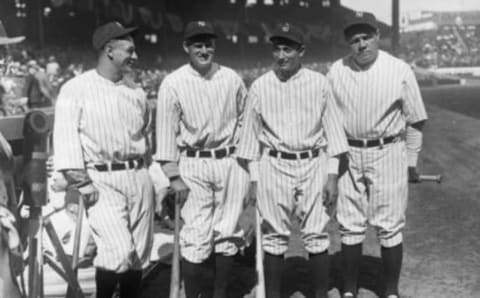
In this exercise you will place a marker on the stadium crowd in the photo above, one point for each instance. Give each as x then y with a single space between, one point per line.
448 46
32 78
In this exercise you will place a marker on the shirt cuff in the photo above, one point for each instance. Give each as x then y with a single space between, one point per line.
333 163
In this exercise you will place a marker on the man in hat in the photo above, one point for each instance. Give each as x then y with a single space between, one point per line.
199 114
292 125
101 145
384 115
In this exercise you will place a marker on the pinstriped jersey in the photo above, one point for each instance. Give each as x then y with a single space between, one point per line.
198 112
296 115
379 101
97 120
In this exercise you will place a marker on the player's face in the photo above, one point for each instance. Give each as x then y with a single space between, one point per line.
364 47
201 52
287 56
123 55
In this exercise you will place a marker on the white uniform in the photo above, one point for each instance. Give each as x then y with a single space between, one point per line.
376 104
295 116
100 122
204 113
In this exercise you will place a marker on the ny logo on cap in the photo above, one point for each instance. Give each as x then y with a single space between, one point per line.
286 27
359 14
201 23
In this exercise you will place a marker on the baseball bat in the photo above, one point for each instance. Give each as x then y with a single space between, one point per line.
432 178
175 275
260 293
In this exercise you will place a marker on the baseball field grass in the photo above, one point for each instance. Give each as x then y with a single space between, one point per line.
442 235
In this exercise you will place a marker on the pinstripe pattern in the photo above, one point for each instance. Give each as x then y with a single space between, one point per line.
291 116
288 189
211 212
375 191
375 103
122 219
198 112
297 115
97 121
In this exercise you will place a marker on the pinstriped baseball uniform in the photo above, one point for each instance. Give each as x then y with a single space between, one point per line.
295 116
96 122
376 103
204 113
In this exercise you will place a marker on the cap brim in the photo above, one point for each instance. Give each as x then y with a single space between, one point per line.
11 40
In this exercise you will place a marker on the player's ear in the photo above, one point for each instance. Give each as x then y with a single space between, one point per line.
301 50
109 50
185 47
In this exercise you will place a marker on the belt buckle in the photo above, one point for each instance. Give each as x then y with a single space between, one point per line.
365 143
213 153
381 143
310 154
109 166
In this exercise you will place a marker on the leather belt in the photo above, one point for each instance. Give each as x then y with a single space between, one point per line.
118 166
219 153
371 143
292 156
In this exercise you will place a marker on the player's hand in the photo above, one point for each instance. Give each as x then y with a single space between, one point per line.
330 195
251 198
89 194
180 189
413 176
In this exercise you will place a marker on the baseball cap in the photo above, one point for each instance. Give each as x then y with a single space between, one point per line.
289 32
109 31
197 28
360 18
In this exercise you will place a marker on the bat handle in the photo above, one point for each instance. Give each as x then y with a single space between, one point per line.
175 275
434 178
260 293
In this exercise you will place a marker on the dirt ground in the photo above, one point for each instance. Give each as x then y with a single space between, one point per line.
442 236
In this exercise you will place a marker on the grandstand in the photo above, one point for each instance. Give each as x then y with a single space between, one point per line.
441 39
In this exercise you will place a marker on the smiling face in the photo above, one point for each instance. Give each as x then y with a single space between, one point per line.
201 52
364 44
122 54
287 55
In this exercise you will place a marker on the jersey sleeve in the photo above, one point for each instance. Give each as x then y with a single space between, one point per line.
167 125
413 106
333 124
249 145
67 147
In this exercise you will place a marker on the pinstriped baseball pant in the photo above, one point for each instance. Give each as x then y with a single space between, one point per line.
217 192
288 188
122 219
374 191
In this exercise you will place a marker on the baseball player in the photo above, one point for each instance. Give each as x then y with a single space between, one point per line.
101 144
200 107
291 118
383 113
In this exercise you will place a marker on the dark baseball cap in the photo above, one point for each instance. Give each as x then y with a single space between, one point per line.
360 18
109 31
198 28
289 32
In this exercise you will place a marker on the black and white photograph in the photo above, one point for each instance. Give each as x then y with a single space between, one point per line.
239 148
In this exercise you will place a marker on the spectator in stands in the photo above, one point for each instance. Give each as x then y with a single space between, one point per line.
38 89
